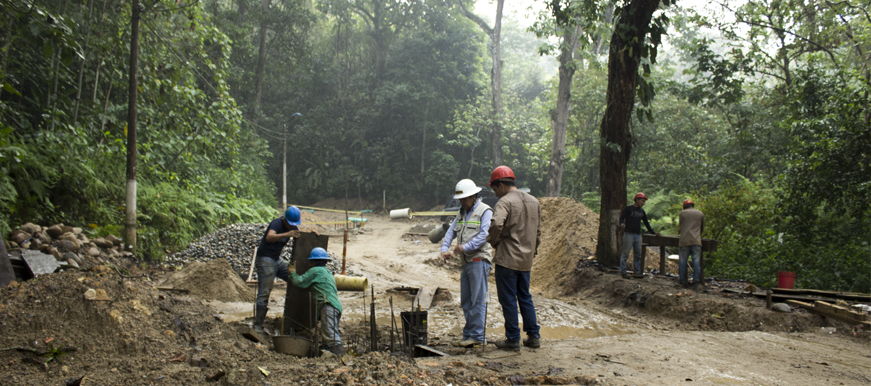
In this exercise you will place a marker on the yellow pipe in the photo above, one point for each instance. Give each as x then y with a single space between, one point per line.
422 214
350 212
351 283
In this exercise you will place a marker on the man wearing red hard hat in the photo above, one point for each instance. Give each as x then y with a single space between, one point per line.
630 223
692 224
515 234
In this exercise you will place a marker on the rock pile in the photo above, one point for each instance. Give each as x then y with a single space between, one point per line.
235 243
67 244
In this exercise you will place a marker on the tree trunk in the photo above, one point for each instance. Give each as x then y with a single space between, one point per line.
261 63
84 61
623 62
130 212
4 55
495 35
563 107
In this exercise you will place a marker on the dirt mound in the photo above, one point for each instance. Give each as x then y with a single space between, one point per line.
214 280
568 235
133 334
569 231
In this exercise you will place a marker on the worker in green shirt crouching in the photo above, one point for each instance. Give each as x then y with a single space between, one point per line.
323 286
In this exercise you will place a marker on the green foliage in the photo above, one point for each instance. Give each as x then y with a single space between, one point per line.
741 216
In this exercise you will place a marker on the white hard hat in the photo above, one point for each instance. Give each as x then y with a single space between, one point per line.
466 188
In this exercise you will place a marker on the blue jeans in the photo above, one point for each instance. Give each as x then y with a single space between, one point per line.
473 298
696 252
267 269
631 242
512 287
330 325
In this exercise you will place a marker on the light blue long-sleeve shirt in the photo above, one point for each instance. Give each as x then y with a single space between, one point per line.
479 239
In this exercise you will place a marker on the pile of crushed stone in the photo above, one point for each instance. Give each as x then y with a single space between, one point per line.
235 244
214 280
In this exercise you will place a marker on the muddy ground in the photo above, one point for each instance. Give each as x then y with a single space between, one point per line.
597 328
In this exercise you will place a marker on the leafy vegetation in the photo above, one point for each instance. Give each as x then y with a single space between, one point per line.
761 117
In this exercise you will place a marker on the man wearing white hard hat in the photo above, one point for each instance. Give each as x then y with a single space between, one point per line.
470 228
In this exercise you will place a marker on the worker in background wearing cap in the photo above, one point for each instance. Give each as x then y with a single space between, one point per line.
470 228
515 233
323 289
269 263
692 224
630 223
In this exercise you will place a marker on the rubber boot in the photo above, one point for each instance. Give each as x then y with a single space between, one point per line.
259 317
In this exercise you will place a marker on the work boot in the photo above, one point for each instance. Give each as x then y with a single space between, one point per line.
467 343
259 317
458 342
338 349
508 344
532 342
625 276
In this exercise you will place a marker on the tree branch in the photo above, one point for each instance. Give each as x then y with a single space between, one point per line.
473 17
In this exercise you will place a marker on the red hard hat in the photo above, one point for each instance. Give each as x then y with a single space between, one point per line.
501 172
640 195
688 201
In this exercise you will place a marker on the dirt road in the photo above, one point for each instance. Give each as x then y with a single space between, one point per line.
597 328
592 336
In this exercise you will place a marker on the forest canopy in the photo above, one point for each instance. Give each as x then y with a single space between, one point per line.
760 115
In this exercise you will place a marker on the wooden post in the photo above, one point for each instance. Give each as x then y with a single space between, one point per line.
661 260
130 209
643 256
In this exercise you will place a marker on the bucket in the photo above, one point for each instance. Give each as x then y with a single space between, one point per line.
293 345
785 279
438 233
351 283
400 213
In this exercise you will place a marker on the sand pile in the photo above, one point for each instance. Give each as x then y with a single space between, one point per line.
568 235
214 280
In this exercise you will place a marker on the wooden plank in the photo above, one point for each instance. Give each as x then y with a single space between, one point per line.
708 245
841 312
856 297
797 303
424 297
780 296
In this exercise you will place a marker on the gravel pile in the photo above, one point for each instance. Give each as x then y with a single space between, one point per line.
235 243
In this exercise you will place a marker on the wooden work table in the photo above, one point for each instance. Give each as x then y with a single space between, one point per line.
648 240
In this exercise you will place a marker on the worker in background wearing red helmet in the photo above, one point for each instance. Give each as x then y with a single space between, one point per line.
692 224
630 223
515 233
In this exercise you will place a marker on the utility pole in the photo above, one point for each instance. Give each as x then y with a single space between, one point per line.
130 211
284 168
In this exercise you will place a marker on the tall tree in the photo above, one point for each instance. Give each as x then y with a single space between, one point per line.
629 44
571 19
495 34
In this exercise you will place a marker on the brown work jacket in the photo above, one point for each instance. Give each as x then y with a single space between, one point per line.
692 224
515 230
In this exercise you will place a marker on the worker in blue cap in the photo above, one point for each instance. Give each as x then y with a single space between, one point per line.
269 263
